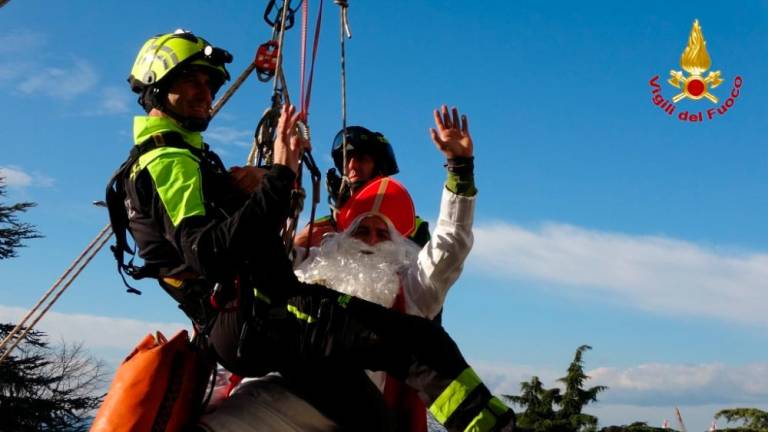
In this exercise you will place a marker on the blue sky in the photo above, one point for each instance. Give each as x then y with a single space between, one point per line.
600 219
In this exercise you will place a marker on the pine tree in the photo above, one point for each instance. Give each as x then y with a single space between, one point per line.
13 232
754 419
47 389
539 403
575 397
539 414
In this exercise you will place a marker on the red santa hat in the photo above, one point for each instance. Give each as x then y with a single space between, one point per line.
384 197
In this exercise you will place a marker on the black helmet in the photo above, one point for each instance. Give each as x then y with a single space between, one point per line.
362 141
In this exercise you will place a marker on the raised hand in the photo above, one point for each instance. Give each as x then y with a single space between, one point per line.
288 145
452 133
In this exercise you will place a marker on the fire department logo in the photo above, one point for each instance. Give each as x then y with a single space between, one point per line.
695 86
695 60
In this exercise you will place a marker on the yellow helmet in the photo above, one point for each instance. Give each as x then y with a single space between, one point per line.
164 54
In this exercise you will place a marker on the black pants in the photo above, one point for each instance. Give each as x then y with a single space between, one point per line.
322 342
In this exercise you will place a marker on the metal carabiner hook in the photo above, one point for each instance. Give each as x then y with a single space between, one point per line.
275 23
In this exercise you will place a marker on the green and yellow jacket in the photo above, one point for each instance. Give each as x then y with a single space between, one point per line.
186 215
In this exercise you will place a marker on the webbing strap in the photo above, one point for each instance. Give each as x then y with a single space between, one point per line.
176 140
456 392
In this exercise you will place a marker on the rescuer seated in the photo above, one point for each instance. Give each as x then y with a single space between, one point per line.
372 257
359 157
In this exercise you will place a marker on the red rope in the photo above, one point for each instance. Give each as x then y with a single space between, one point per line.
303 55
306 92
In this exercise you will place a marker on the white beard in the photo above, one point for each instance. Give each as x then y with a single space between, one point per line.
350 266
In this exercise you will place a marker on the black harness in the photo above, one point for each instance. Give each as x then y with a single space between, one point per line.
116 200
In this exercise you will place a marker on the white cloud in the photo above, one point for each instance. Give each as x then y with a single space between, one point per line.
13 71
22 68
649 272
108 337
650 392
16 177
60 82
229 136
506 378
20 42
694 384
111 100
116 100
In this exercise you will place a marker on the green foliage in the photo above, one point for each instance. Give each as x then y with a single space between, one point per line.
540 414
46 389
754 419
635 427
13 232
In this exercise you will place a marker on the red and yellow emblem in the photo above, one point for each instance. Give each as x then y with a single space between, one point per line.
695 60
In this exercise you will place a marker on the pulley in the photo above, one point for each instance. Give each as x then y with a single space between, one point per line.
266 60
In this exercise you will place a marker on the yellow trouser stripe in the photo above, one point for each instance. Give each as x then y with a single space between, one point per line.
486 420
450 399
299 314
483 422
261 296
497 406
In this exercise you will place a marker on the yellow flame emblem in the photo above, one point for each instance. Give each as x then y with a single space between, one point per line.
695 60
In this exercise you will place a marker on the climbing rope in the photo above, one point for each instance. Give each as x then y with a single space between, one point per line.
264 61
20 331
263 137
306 95
279 83
233 88
344 34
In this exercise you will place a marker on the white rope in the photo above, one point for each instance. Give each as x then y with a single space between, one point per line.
82 260
279 76
344 33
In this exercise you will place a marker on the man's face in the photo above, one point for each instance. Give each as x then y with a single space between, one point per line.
190 95
354 263
372 230
360 168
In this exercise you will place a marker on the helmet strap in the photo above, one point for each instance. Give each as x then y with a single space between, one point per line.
155 97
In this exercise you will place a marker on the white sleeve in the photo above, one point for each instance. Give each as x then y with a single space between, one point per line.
440 262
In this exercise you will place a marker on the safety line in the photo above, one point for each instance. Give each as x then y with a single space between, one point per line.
91 250
344 33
